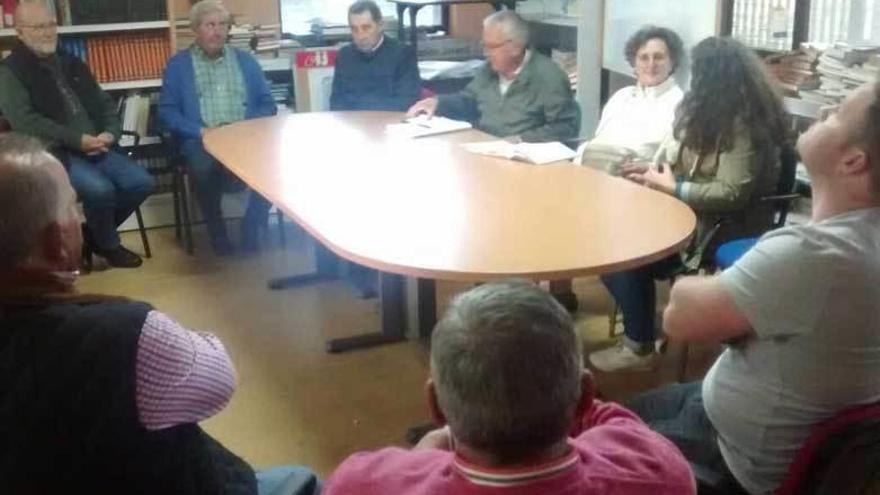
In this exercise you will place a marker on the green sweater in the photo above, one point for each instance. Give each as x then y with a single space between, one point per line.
538 106
16 107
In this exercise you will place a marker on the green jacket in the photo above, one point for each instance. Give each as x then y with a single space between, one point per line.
538 105
17 107
726 186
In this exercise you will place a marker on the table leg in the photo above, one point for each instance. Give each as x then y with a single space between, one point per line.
562 291
427 306
325 270
392 314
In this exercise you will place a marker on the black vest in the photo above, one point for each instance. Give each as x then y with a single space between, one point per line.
45 96
68 412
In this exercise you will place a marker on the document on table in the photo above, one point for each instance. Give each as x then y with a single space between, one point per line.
537 153
422 125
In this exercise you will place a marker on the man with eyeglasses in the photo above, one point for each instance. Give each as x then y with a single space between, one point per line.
208 85
54 97
517 94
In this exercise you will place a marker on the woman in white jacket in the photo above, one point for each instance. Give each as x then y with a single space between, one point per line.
637 118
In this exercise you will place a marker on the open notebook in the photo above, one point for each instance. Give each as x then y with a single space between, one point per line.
422 125
537 153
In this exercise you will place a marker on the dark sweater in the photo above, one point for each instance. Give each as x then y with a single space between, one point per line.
386 79
68 413
33 103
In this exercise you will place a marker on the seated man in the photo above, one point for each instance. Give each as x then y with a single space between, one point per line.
800 312
209 85
55 98
518 93
507 377
99 394
374 72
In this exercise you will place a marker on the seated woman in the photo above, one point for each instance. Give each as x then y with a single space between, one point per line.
722 157
637 118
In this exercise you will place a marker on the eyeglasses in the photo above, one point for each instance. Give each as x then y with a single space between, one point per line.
39 27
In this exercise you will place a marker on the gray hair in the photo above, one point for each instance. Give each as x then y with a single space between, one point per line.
506 365
203 8
512 25
30 198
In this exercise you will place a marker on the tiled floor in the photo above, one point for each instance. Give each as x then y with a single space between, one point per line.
295 403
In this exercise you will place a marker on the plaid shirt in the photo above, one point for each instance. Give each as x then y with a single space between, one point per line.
220 86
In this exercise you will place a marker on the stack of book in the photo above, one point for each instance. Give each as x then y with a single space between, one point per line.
567 61
128 56
268 39
184 34
135 116
282 93
240 36
842 68
796 71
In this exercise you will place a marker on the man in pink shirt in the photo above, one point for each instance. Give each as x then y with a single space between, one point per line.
100 394
508 382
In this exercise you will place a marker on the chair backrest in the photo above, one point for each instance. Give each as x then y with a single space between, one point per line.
788 158
841 455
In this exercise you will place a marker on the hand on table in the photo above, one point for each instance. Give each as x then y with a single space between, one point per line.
427 106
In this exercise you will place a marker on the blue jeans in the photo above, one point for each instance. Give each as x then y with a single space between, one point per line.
676 411
208 178
287 480
634 291
110 186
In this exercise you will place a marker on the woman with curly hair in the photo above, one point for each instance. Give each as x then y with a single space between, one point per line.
637 118
722 157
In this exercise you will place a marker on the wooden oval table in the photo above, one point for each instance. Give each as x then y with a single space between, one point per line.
428 208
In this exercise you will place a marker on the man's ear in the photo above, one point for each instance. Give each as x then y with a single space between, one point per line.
855 161
437 415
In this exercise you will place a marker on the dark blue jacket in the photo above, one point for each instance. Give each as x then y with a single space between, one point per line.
179 108
387 79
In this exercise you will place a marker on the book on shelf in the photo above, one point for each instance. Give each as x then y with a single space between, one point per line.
127 56
536 153
102 12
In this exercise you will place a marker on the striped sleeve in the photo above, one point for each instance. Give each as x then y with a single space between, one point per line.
182 376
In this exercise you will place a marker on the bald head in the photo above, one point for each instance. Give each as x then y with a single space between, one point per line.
34 194
36 27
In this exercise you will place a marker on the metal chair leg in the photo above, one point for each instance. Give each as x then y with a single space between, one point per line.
612 320
146 242
187 222
175 198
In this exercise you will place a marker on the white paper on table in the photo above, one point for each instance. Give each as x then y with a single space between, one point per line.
537 153
422 125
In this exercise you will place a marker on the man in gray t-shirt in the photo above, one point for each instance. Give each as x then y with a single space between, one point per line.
801 310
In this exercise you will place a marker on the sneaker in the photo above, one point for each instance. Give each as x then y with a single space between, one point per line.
621 358
120 257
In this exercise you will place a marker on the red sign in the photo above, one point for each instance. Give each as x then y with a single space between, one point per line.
307 59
